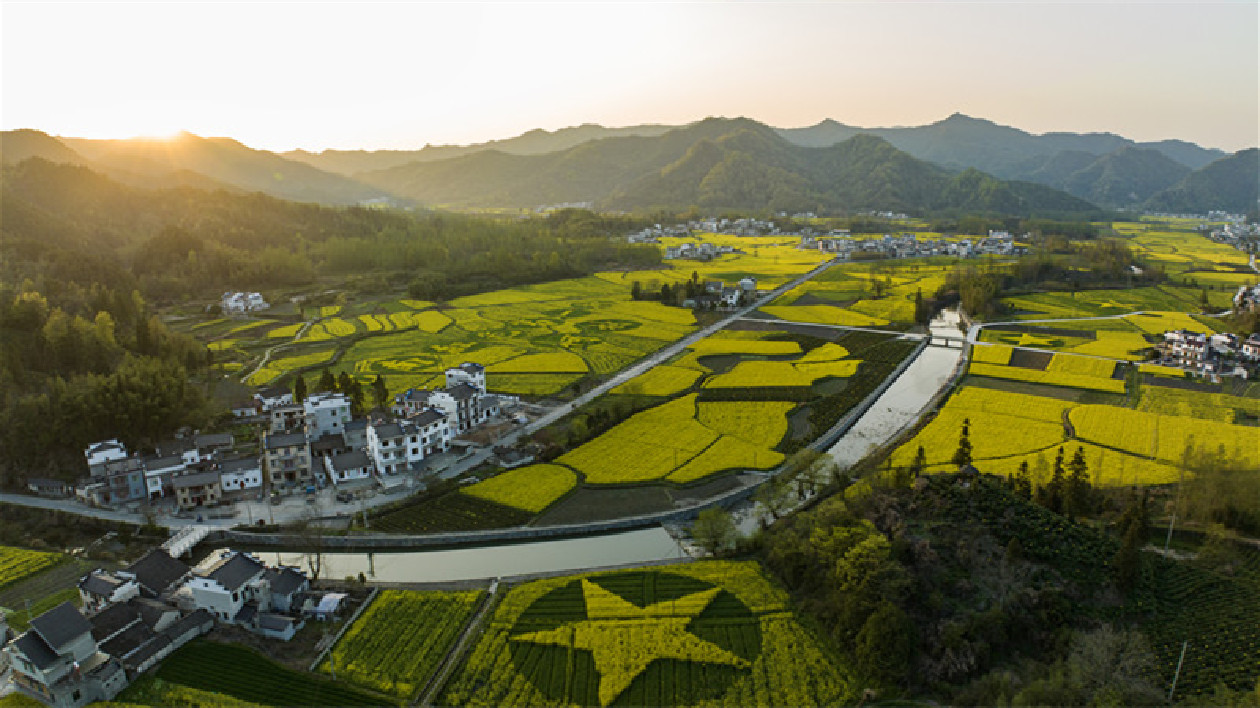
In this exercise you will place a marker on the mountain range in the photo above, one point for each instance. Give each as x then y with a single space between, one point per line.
960 163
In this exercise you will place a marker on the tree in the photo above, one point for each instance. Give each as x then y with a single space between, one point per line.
1079 491
327 382
962 456
1022 481
920 310
1055 489
714 530
885 645
380 392
299 389
919 465
636 291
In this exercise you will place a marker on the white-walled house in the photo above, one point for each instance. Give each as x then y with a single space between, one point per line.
237 588
242 474
58 661
348 466
97 454
469 373
326 414
238 303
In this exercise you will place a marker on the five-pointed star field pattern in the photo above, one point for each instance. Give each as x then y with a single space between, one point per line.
624 638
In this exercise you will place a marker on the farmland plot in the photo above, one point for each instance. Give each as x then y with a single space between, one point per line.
396 644
714 633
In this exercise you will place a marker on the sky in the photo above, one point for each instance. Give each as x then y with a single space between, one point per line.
400 75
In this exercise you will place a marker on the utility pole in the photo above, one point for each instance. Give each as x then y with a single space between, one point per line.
1177 675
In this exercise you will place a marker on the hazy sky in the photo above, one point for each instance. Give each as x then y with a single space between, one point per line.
279 76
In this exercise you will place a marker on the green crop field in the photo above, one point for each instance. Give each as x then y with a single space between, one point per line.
846 294
395 646
710 633
244 674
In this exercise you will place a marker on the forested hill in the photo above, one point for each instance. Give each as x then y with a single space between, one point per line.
533 142
70 225
189 160
720 164
1231 184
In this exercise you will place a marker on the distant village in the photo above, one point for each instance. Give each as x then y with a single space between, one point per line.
840 242
304 446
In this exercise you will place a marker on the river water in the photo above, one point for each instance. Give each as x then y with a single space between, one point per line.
905 398
643 545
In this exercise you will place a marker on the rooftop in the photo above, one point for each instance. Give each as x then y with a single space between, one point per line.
157 570
235 571
61 625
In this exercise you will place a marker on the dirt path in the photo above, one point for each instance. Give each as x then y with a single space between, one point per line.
267 354
472 630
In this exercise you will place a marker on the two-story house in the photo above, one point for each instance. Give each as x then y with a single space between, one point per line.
348 467
240 475
154 575
194 489
237 588
58 661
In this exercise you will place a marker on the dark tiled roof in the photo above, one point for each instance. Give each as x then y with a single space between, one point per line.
112 620
350 461
148 650
161 463
213 440
275 623
157 570
247 613
236 571
388 430
151 611
197 479
36 649
463 391
284 581
240 464
472 366
328 443
356 424
128 640
272 391
101 582
427 417
197 618
285 440
61 625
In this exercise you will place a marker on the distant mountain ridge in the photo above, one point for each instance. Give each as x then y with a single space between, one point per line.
720 164
656 165
1230 184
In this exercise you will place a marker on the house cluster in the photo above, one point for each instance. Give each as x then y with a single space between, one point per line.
1248 296
318 442
195 470
309 444
1212 355
906 245
238 303
654 233
133 618
698 251
718 294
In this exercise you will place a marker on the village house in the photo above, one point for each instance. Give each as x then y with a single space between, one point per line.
287 458
325 414
240 474
237 588
194 489
239 303
59 662
348 467
269 397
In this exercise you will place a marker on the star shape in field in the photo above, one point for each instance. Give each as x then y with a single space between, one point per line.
624 638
